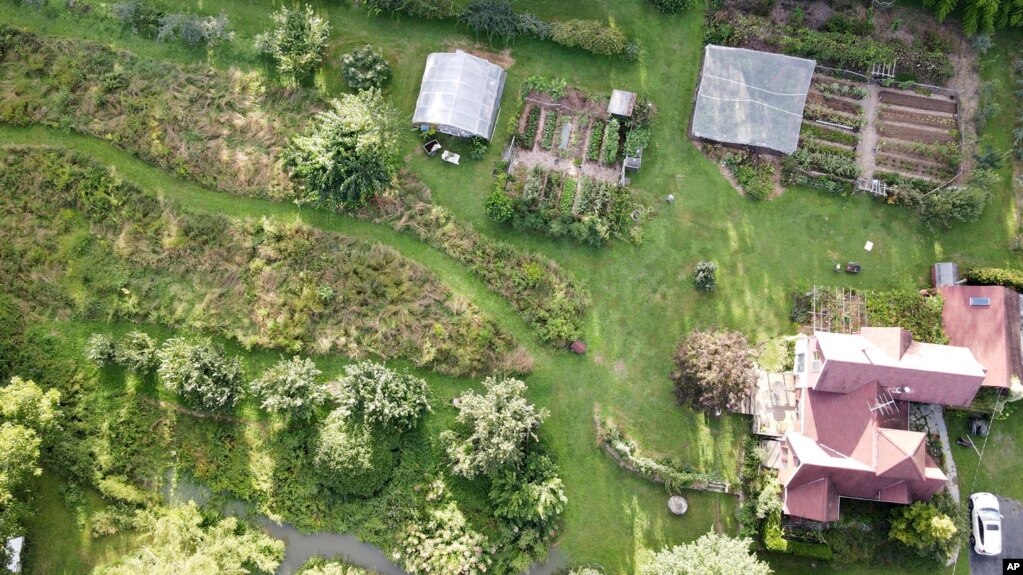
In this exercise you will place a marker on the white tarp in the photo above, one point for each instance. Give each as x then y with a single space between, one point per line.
460 95
752 98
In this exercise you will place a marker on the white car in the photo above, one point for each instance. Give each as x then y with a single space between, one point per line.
986 519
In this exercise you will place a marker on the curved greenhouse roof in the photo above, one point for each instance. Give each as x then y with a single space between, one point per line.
460 95
752 98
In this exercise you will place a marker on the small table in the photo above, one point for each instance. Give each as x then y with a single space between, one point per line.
450 157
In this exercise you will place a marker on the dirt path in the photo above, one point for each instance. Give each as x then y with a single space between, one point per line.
868 135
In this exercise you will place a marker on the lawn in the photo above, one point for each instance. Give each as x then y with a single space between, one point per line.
643 302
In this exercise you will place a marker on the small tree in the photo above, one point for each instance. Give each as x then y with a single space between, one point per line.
290 387
673 6
441 542
494 428
534 496
365 68
382 396
924 528
297 42
495 18
350 458
100 349
23 402
349 153
705 276
712 554
136 351
201 373
714 370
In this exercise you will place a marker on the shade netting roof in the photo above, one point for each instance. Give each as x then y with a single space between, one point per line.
752 98
461 94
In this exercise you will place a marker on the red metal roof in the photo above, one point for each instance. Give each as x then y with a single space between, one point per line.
991 332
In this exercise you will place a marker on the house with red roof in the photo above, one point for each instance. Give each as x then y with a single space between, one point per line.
985 319
851 436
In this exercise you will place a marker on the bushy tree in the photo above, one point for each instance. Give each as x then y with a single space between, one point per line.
499 207
20 447
595 36
349 153
365 68
441 542
321 566
980 15
382 396
714 370
179 541
925 528
291 387
351 458
494 428
429 9
136 351
101 349
22 402
705 277
296 43
201 373
533 496
711 554
193 29
532 25
494 18
945 208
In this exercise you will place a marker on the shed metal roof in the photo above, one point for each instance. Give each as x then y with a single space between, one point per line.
460 94
621 103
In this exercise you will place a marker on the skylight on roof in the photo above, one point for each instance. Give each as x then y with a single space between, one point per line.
980 301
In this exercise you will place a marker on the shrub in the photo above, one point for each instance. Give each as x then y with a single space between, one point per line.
494 428
705 276
673 6
349 152
534 496
100 349
201 373
365 68
137 351
923 527
947 207
139 16
478 147
428 9
635 140
494 18
382 396
590 35
352 458
714 370
290 387
499 206
711 553
297 42
441 542
1010 278
193 29
532 25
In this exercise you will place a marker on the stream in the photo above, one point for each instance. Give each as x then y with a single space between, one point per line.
300 547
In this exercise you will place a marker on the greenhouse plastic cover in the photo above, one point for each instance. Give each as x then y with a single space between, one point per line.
752 98
461 94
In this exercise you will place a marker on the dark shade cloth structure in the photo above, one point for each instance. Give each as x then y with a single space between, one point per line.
751 98
460 95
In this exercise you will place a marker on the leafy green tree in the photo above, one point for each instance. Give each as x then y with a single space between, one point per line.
321 566
673 6
136 351
101 349
382 396
365 68
714 370
290 387
705 277
981 16
349 153
493 430
947 207
353 460
201 373
533 496
23 403
925 528
711 554
20 447
494 18
179 541
297 42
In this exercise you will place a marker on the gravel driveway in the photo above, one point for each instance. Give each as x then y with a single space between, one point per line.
1012 540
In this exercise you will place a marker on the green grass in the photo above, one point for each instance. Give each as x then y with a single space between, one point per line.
643 301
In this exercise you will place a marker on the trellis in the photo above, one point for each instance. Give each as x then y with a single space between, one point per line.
837 309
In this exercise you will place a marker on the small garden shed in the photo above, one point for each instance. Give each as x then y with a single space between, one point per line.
751 98
460 95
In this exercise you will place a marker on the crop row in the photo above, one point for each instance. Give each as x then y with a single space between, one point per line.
821 133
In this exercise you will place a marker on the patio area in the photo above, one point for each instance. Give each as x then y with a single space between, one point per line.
773 404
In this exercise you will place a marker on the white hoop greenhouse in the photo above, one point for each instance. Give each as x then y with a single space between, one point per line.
460 95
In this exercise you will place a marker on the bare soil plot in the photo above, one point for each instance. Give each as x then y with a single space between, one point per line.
903 116
918 102
914 134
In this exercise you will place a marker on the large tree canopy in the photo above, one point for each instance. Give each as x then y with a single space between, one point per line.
714 370
290 387
349 153
178 541
712 554
382 396
980 15
201 373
